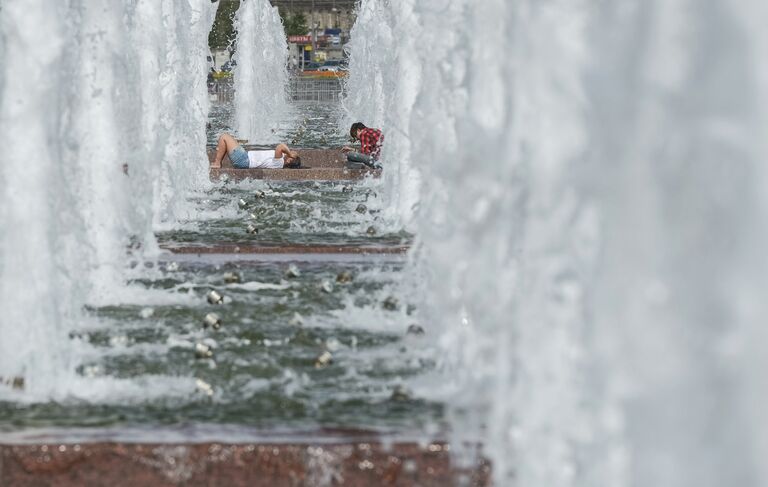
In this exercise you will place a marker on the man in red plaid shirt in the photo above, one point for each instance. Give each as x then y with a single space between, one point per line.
370 146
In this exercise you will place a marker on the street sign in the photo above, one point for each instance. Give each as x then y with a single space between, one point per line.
300 39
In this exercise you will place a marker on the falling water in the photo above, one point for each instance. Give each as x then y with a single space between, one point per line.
95 128
384 75
591 217
261 72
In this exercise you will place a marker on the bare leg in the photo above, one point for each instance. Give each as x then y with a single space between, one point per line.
226 144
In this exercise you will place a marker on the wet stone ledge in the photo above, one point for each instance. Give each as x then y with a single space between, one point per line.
322 165
254 465
226 248
309 174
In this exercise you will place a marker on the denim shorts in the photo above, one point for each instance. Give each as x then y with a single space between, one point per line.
239 158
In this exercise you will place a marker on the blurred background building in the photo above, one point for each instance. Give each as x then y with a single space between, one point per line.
317 31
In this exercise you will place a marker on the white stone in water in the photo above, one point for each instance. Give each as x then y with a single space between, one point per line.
415 329
344 277
400 393
252 229
296 320
260 195
212 320
323 360
172 266
232 277
204 387
13 382
242 204
215 298
203 351
146 312
326 286
332 344
292 271
391 303
346 189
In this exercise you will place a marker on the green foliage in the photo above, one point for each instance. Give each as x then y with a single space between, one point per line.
223 32
295 24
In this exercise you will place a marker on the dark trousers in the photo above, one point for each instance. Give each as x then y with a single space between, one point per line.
358 157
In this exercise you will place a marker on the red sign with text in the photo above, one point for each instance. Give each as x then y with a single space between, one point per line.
300 39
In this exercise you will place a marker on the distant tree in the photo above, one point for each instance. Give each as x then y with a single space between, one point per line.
223 32
295 24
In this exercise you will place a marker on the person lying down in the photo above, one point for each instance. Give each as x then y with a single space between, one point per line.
280 157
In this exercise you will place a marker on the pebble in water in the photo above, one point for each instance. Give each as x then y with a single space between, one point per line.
204 387
252 229
391 303
242 204
14 382
371 231
400 393
260 195
297 320
172 267
203 351
232 277
215 298
292 271
323 360
344 277
212 320
361 208
346 189
326 286
415 329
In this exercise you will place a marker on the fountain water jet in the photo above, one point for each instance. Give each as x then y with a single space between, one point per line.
72 104
261 74
384 75
589 225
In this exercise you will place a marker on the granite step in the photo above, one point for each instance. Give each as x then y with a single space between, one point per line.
231 248
349 462
322 165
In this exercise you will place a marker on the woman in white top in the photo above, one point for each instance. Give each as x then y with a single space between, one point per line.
279 158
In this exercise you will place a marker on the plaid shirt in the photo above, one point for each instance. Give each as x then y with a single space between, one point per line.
370 142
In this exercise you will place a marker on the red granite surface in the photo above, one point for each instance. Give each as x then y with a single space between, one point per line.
323 164
253 465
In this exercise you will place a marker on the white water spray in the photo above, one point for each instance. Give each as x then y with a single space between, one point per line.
86 137
261 73
590 231
384 75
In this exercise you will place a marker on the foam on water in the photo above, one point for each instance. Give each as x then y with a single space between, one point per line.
102 120
261 73
591 211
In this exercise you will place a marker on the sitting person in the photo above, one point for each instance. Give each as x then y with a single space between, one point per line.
370 146
280 157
